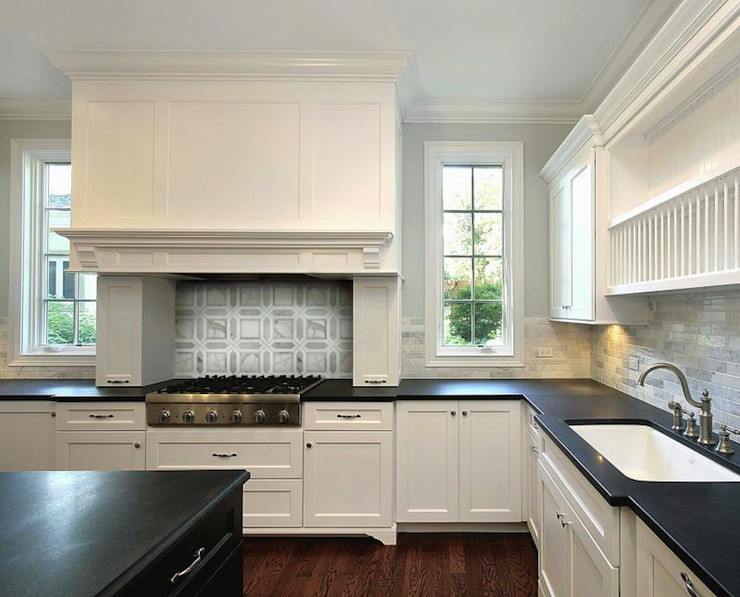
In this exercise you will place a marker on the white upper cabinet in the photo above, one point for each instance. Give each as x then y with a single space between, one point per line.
578 241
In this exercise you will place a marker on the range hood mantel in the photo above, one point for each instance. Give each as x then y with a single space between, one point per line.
129 251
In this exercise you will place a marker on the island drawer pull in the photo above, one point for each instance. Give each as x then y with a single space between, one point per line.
224 455
198 555
102 416
349 416
689 585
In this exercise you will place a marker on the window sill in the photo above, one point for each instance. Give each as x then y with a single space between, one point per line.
53 360
470 361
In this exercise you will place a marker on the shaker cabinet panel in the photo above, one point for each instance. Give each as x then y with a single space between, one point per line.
100 450
26 435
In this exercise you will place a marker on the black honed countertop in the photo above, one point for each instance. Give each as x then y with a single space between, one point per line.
700 522
87 532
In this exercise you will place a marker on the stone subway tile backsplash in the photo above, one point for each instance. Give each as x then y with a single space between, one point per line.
571 344
697 332
264 328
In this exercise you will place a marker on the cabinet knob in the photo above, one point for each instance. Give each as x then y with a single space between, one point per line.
137 445
52 414
535 450
453 413
465 413
309 444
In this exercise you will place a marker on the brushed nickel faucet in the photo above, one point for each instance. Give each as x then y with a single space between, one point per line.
705 418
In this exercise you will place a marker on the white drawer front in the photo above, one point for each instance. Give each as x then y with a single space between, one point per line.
272 503
532 426
266 454
357 416
598 517
97 416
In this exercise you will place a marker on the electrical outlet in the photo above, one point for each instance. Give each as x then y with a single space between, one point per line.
633 363
544 352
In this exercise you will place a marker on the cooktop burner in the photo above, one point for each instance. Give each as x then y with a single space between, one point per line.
244 384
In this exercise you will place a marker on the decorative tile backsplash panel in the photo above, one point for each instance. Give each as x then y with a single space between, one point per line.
698 332
264 328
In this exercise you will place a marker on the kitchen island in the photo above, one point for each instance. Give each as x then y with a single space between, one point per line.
121 532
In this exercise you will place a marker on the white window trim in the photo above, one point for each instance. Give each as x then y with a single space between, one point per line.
26 155
446 153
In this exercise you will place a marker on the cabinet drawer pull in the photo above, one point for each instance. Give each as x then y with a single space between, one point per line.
224 455
102 416
689 585
117 381
534 449
198 555
376 381
349 416
564 522
534 424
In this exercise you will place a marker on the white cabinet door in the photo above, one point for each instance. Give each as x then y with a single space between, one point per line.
377 308
26 435
592 574
560 252
582 245
135 330
659 571
427 461
100 450
534 517
554 560
490 461
272 503
349 479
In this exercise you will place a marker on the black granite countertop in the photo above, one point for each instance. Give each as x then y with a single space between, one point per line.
71 390
700 522
83 532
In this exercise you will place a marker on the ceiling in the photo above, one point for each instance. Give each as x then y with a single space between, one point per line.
559 52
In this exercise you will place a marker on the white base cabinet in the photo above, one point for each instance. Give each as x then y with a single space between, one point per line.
532 501
659 572
459 461
26 435
348 459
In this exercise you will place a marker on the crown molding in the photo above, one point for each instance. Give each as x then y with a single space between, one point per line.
586 133
35 109
495 112
190 65
689 30
646 25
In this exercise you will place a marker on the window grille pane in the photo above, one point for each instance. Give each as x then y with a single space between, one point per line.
68 282
86 323
59 185
488 185
457 324
457 278
457 192
488 317
488 278
488 233
54 242
87 287
458 234
60 322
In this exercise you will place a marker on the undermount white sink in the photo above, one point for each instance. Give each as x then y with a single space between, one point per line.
645 454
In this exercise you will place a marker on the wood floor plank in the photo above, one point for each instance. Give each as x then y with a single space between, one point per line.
450 564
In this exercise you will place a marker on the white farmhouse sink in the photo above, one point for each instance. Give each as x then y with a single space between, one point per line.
645 454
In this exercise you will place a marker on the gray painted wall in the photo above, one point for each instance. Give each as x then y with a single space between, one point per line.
21 129
540 141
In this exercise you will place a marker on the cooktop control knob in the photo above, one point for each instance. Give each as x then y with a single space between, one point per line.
283 416
259 416
236 416
165 416
188 416
211 416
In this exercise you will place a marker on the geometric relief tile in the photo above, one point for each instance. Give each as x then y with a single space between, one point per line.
249 328
315 362
315 328
250 295
184 328
217 296
345 328
216 362
283 362
249 362
215 328
282 295
282 328
316 296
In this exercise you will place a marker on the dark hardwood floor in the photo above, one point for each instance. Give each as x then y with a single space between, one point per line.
421 564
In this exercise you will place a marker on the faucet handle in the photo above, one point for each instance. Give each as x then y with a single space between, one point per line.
677 415
725 446
692 430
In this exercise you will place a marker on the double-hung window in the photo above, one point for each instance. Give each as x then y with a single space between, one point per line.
474 251
52 309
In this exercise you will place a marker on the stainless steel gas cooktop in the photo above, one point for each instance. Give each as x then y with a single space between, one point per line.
230 400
